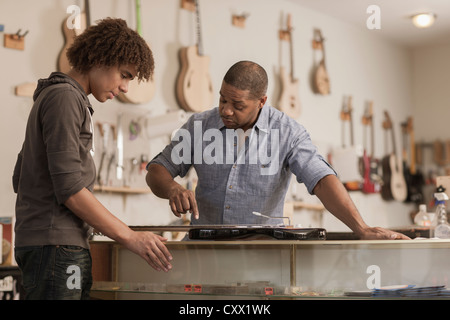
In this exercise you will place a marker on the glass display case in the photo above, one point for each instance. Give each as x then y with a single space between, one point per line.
281 269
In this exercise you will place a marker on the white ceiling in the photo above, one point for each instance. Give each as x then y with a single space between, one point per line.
395 21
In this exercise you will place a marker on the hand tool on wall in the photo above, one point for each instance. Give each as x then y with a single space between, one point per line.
104 129
119 168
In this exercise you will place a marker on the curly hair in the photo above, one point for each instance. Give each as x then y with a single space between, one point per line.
111 43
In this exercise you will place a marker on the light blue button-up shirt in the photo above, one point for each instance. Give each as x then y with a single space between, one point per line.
232 184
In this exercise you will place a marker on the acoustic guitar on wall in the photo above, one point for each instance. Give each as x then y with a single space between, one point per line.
70 34
194 89
394 184
321 81
289 101
138 91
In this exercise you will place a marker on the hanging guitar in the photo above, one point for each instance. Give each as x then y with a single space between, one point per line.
394 184
413 176
194 89
321 81
370 165
138 91
289 101
345 160
69 36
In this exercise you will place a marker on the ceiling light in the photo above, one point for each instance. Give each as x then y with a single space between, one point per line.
423 20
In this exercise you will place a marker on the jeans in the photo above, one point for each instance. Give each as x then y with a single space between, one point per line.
55 272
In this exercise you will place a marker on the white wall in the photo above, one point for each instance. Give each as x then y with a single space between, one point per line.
359 61
431 87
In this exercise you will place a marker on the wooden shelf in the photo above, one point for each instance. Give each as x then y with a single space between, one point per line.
127 190
309 206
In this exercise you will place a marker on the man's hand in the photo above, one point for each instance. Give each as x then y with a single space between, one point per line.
336 200
151 248
182 201
164 186
378 233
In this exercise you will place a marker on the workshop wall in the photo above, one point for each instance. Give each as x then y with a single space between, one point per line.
360 63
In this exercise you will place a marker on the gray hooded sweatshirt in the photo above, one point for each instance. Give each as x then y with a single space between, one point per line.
55 162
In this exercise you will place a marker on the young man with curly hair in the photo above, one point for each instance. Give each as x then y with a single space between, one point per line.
55 172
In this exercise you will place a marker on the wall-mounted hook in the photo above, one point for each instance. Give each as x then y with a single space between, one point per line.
188 5
285 34
239 20
16 40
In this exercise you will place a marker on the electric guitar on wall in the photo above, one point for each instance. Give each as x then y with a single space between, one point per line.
289 101
394 184
413 177
370 165
138 91
69 36
194 89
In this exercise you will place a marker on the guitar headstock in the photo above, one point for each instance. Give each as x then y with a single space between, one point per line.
368 114
387 123
409 125
285 34
289 23
318 40
346 112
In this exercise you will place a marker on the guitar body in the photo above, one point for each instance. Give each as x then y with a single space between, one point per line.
69 38
289 101
194 88
369 186
415 190
321 79
397 183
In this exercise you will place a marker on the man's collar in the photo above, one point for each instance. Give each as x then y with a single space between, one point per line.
263 120
220 123
262 123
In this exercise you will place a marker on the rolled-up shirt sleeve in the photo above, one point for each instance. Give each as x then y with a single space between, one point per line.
177 157
62 120
306 163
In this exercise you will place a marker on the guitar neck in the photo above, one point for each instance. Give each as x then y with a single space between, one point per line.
412 147
199 33
292 56
88 13
367 121
346 115
350 119
291 47
394 148
387 125
321 40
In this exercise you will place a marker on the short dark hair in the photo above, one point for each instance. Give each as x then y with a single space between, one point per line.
109 43
248 75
